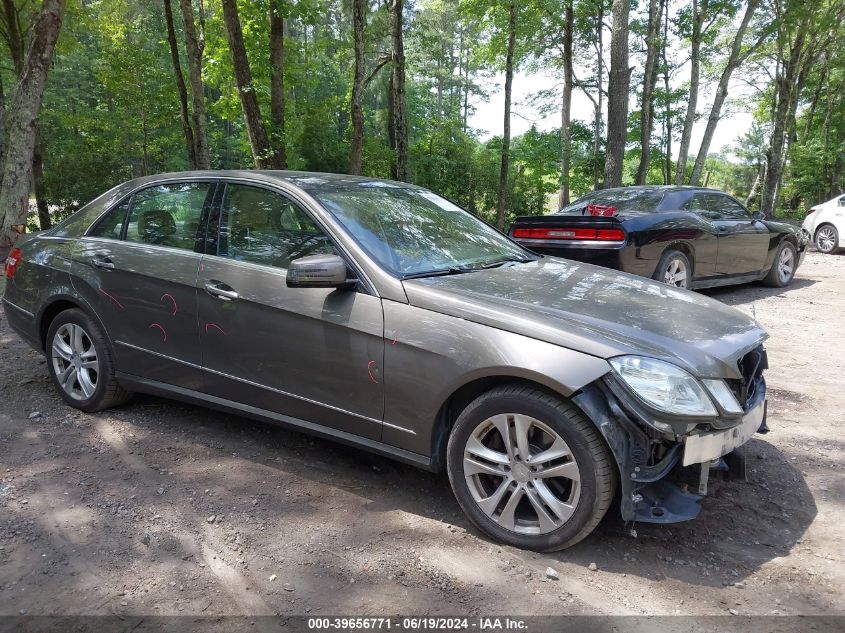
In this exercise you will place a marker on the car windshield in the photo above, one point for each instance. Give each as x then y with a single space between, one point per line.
415 233
626 201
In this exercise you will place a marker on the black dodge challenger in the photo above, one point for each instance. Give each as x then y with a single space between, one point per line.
685 236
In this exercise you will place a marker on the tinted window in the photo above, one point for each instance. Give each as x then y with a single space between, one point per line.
264 227
628 201
168 215
729 208
704 204
111 224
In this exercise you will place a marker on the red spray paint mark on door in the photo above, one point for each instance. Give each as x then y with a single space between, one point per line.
370 371
160 327
216 327
115 301
172 299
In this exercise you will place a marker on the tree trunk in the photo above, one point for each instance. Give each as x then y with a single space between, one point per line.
259 142
44 221
655 14
786 98
194 49
277 85
617 96
506 137
357 110
397 85
600 90
734 60
184 114
667 177
21 117
566 107
692 99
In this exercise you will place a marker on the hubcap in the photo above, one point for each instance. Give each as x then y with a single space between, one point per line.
826 239
75 361
676 274
786 264
522 474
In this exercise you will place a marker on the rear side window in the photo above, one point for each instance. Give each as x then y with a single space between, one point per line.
111 224
263 227
168 215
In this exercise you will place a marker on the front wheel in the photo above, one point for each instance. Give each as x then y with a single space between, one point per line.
783 267
827 239
80 363
529 469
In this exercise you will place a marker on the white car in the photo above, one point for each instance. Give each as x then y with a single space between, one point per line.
825 223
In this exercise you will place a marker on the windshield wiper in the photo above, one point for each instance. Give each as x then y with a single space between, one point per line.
506 260
452 270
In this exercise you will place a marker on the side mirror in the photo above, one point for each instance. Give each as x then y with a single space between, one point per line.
842 201
758 216
317 271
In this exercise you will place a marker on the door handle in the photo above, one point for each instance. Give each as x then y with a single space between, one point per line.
214 288
722 228
102 262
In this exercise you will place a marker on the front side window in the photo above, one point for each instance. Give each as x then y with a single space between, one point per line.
413 231
111 224
730 208
263 227
168 215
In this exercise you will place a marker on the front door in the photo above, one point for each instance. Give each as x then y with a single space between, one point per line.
743 242
308 353
137 268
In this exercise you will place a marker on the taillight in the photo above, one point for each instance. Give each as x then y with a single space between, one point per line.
579 234
12 262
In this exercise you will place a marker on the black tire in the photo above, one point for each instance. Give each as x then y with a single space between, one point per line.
827 239
776 277
106 391
668 260
596 466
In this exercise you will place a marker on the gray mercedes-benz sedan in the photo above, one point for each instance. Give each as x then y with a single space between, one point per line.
381 315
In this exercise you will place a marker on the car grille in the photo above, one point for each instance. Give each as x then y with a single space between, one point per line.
751 367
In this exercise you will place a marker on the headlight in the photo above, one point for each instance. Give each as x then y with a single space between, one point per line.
663 386
723 394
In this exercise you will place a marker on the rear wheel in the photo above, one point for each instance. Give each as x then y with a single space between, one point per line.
674 269
529 469
827 239
783 267
80 363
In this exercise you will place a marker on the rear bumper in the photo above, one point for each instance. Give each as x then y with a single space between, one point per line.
23 323
607 257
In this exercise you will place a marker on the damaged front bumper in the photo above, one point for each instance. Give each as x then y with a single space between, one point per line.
663 477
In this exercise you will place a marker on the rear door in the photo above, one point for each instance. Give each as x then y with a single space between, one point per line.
137 267
310 353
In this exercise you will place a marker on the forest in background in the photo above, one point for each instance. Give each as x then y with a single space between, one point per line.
387 88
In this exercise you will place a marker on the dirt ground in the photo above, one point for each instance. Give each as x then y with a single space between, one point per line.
158 508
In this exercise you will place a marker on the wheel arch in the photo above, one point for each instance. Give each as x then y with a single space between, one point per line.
463 396
56 306
682 246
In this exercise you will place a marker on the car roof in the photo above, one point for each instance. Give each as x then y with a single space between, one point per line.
306 180
661 188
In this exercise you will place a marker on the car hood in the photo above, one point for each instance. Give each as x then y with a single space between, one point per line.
597 311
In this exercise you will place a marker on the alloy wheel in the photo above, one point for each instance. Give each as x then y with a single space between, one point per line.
521 474
786 264
676 274
75 361
826 239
